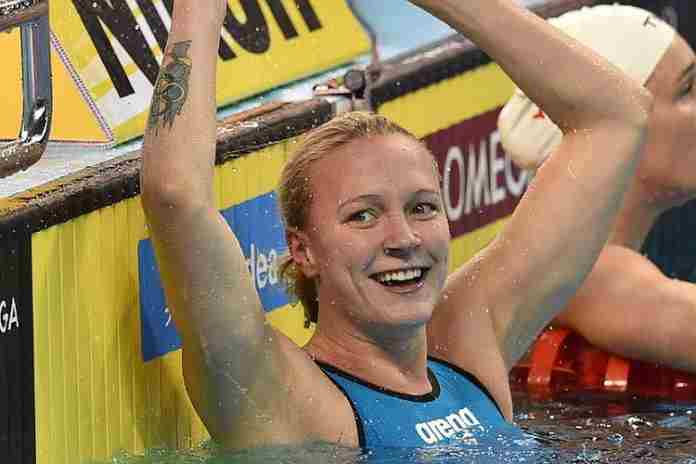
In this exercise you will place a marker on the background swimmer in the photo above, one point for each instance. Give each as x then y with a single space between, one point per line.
627 306
373 241
669 244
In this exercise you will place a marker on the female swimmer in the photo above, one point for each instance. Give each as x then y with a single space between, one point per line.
627 306
366 228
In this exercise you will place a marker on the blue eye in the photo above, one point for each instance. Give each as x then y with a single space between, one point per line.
363 216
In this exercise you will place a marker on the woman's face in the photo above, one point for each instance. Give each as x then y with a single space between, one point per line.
670 161
378 234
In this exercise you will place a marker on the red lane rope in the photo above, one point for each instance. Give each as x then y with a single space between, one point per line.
562 361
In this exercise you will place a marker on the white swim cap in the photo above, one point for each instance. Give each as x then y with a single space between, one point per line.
631 38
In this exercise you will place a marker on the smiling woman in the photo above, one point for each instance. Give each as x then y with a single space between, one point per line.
401 355
368 228
296 192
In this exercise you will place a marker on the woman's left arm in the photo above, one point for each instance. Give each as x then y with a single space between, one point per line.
495 305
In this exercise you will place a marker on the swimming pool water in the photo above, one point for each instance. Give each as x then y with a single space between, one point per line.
621 430
578 428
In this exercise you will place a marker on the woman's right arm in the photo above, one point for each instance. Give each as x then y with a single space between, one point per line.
238 371
213 304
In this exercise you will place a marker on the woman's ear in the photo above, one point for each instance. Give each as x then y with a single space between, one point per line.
301 252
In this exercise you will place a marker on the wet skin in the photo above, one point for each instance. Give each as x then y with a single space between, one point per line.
377 207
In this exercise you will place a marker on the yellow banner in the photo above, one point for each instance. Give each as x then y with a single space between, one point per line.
109 53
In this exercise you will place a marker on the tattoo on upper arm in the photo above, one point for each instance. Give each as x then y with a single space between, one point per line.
171 88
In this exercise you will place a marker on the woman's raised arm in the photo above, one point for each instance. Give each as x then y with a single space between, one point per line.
504 297
236 368
211 299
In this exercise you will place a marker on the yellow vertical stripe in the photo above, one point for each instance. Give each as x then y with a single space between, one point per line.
217 184
225 183
85 426
56 355
170 381
153 410
42 375
108 284
137 231
183 410
126 310
70 315
96 343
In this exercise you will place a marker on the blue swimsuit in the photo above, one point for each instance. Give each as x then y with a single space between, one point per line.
459 410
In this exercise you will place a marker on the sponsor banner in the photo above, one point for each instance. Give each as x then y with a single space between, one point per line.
259 230
17 435
480 184
111 50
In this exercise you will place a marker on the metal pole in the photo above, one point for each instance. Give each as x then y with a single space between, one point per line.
32 18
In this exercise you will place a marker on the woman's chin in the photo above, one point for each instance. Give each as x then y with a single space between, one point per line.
408 315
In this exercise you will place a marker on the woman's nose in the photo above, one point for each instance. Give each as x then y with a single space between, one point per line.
401 239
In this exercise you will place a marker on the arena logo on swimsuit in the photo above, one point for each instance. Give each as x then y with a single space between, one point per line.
9 316
457 425
259 230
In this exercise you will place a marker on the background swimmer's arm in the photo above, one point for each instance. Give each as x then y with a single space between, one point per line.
500 301
240 375
628 307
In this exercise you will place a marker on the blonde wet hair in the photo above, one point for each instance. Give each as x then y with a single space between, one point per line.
295 193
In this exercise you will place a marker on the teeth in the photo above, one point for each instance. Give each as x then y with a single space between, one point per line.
400 276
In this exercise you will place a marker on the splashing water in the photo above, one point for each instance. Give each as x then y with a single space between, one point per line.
577 429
